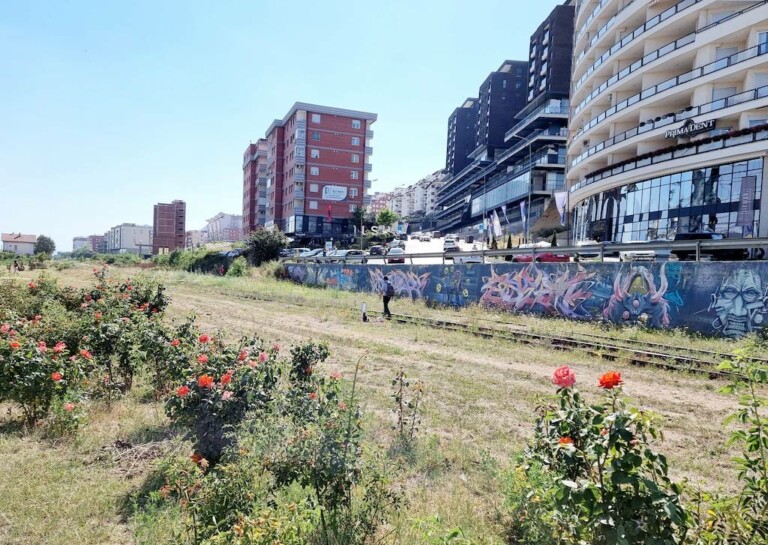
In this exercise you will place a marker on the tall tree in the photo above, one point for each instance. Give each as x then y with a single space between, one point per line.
45 245
387 217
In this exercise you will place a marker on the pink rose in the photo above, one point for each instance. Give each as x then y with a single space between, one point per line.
564 377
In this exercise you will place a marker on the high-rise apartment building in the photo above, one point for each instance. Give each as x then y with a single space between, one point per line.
668 128
169 227
98 243
518 163
254 186
462 129
317 170
379 201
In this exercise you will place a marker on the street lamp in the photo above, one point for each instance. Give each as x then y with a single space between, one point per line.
530 185
362 213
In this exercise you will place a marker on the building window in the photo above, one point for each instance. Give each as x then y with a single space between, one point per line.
315 118
355 140
314 171
314 188
355 158
762 41
313 205
314 153
504 84
754 122
315 136
353 174
352 192
300 133
356 124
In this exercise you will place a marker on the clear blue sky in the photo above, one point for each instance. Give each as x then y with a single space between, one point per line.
107 108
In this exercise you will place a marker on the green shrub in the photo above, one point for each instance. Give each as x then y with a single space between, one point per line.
264 245
239 267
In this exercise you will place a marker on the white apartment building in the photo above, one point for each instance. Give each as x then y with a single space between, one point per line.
196 238
668 126
418 198
129 238
224 228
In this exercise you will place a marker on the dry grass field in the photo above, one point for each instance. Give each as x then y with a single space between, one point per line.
478 413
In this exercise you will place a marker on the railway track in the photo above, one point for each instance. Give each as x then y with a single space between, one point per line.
634 351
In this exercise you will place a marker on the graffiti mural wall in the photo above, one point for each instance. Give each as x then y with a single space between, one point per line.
725 299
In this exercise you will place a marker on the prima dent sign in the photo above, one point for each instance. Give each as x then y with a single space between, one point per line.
334 193
691 128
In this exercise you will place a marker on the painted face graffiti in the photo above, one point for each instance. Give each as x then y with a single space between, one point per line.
739 304
636 298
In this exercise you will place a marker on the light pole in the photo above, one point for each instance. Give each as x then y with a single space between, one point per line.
362 214
530 185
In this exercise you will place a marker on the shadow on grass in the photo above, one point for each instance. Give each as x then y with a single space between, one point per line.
13 427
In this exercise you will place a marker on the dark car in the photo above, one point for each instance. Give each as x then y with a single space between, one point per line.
376 250
736 254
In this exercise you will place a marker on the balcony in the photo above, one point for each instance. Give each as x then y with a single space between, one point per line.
299 177
635 66
553 108
367 167
696 73
302 124
367 184
631 37
600 33
600 5
717 143
369 134
670 119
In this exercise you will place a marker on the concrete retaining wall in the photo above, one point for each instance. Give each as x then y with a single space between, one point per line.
718 298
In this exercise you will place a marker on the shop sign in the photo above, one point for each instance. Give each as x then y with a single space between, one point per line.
691 128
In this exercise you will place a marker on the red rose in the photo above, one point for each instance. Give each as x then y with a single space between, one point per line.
41 346
564 377
610 380
226 378
263 357
15 345
69 407
566 441
205 381
175 342
312 395
56 376
203 338
60 346
97 315
183 391
202 358
86 354
32 285
242 355
88 297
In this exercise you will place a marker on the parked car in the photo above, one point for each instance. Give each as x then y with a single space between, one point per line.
395 255
293 252
403 237
736 254
541 258
424 237
376 250
637 255
467 259
452 237
313 253
348 256
590 253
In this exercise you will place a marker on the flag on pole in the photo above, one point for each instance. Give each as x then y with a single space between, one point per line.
496 225
328 214
560 197
504 211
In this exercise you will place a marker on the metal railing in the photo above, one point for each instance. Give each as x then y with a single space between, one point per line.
669 119
707 69
698 249
669 155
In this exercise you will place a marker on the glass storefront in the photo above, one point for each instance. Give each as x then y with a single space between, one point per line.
700 200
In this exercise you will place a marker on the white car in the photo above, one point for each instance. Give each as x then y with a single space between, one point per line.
637 255
425 238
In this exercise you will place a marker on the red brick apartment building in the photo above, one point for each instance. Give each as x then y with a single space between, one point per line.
254 186
168 230
317 168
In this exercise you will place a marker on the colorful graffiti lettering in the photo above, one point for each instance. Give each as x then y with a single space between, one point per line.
406 283
636 298
739 304
531 289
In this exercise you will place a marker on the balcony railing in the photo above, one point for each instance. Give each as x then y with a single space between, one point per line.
738 138
635 66
591 17
368 150
600 33
670 119
367 167
696 73
556 107
631 37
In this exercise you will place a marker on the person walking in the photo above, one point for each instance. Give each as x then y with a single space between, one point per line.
389 292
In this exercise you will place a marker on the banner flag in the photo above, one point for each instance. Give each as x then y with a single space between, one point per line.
560 198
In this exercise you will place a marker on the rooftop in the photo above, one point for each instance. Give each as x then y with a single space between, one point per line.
316 108
18 237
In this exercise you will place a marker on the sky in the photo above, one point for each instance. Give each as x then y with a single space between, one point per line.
107 108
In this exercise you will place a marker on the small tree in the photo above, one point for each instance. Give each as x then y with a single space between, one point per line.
264 245
45 245
386 217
